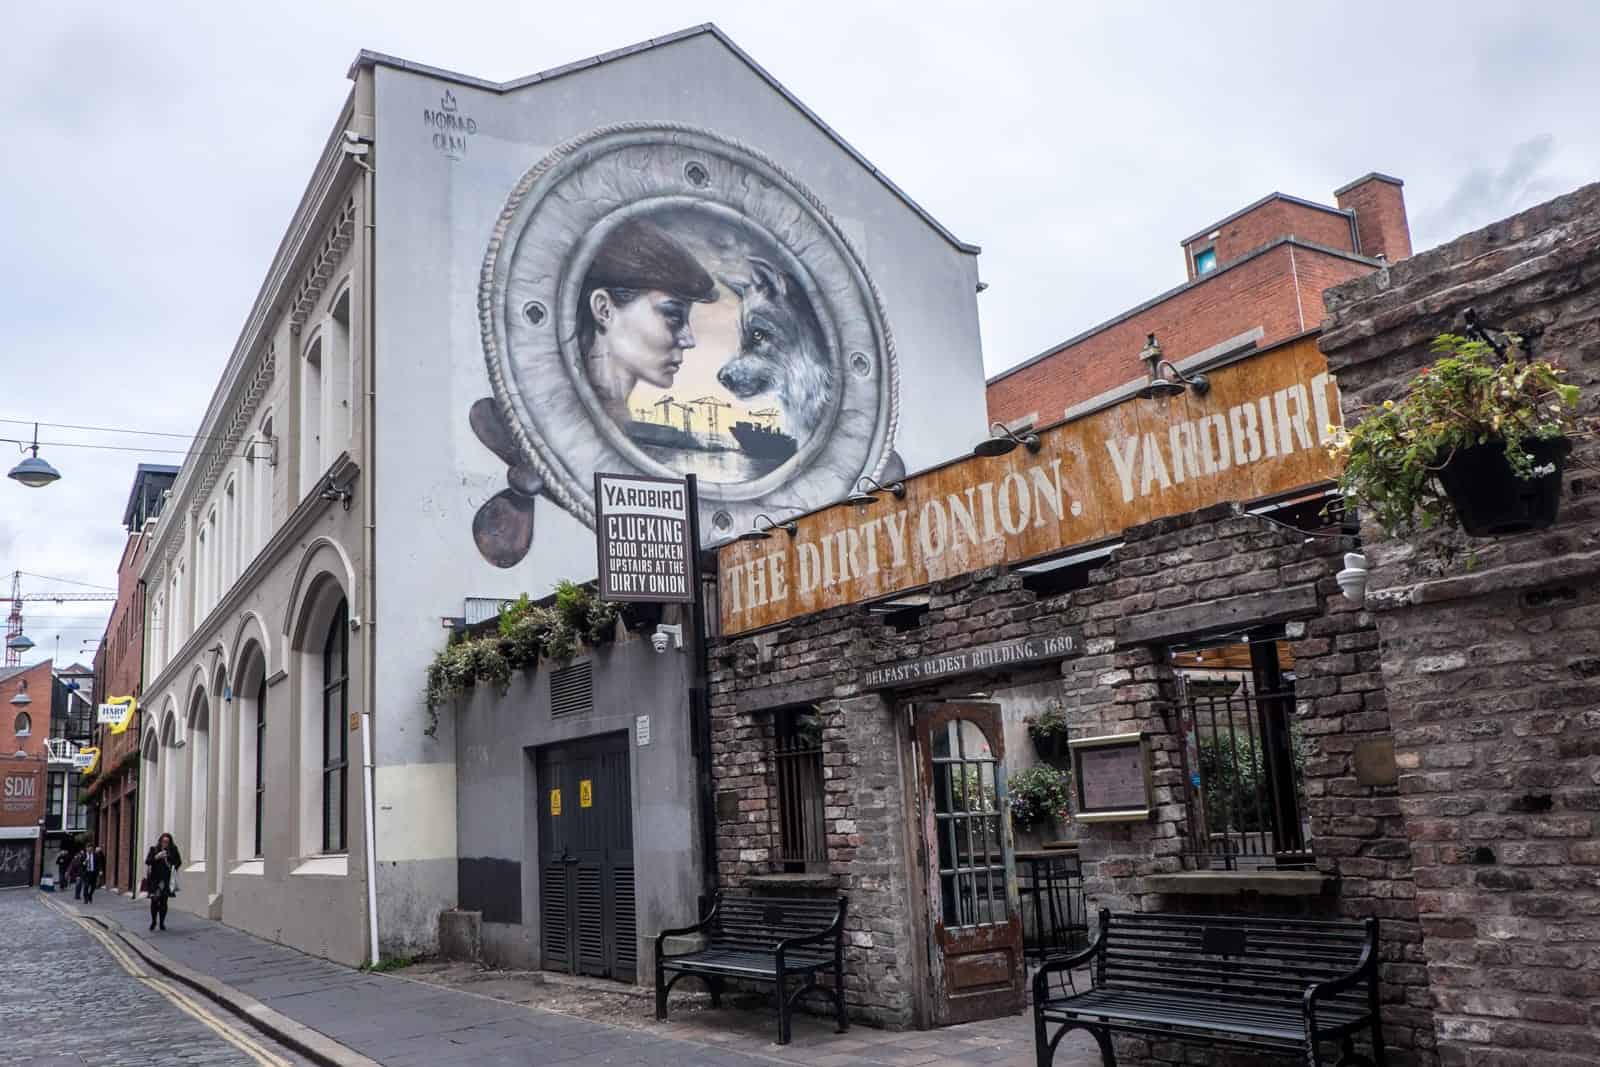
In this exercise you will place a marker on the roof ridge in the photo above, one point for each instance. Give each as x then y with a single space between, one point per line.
367 57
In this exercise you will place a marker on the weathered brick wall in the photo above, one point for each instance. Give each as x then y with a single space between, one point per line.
1208 558
1493 672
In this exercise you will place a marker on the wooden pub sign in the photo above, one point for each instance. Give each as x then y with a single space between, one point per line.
1262 430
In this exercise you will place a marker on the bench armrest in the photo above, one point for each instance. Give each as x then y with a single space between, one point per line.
716 902
1365 973
834 932
1056 964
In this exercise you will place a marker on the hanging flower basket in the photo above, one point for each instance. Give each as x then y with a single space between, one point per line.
1478 440
1492 500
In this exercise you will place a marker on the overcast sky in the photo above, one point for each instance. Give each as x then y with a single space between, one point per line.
153 154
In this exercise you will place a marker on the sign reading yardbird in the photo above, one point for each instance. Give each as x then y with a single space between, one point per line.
1260 431
642 535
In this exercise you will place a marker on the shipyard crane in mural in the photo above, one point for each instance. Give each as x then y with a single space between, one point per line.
16 641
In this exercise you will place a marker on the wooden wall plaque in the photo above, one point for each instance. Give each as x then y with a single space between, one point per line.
1111 778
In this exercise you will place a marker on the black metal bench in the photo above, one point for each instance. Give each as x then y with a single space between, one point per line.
1277 985
766 939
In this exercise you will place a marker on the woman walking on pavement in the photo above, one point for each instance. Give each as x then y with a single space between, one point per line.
75 873
161 861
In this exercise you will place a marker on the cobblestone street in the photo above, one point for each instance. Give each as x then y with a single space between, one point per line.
59 981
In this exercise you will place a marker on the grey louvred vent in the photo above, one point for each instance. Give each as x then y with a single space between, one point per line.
572 689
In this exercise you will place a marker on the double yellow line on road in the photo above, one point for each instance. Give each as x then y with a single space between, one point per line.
182 1001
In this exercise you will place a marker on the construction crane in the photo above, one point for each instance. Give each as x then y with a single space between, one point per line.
711 404
667 403
16 644
766 413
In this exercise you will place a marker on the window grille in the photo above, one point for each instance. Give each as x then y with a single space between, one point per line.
802 839
1242 760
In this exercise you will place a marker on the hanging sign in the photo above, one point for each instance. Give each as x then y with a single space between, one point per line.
586 794
117 713
86 760
641 534
1262 429
555 802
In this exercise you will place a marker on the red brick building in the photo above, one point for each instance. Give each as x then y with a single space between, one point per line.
118 668
1254 278
25 694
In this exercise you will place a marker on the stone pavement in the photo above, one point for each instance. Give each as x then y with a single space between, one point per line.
401 1021
65 1001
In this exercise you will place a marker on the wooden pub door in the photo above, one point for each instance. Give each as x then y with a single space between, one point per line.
587 922
975 944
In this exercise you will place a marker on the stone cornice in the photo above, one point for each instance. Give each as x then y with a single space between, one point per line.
344 471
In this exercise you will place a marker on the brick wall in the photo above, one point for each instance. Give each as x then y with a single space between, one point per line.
1380 208
1278 290
1491 672
1204 558
1275 218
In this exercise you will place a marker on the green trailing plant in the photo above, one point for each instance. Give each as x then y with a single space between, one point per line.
1048 729
1468 396
1039 794
525 633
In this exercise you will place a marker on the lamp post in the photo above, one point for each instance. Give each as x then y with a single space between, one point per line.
34 472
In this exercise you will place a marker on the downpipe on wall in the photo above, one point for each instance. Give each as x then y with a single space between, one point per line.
358 148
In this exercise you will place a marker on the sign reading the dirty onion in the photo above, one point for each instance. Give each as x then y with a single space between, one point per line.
1261 430
642 536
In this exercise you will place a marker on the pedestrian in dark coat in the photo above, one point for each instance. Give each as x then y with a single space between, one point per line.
63 858
91 869
74 867
160 863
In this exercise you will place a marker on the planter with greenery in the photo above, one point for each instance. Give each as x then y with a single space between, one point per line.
1039 794
1048 730
1476 441
526 633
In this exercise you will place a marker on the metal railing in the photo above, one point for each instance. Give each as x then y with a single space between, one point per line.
1245 789
802 842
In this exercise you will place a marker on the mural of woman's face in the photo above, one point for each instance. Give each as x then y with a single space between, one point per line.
648 335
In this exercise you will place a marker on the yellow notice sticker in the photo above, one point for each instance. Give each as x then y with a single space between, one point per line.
555 802
585 794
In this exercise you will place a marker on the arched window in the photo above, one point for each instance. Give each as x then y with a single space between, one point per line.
199 779
24 724
266 458
335 735
261 758
337 375
312 423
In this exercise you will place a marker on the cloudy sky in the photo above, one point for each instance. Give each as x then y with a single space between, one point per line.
152 161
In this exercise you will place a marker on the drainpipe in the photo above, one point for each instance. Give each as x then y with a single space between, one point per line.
358 148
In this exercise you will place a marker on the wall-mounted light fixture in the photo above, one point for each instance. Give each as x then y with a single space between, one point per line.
340 493
1002 439
867 490
1160 386
758 532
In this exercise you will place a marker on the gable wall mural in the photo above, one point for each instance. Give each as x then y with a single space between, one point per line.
656 264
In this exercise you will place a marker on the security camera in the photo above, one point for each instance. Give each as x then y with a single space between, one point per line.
664 632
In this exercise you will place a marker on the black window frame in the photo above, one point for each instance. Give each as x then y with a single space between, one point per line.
335 706
261 762
799 779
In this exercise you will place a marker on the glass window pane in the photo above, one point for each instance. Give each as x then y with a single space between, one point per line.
333 812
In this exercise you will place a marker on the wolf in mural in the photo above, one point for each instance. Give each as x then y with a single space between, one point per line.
782 349
607 348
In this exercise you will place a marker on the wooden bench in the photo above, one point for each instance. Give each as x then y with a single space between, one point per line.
1277 985
766 939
